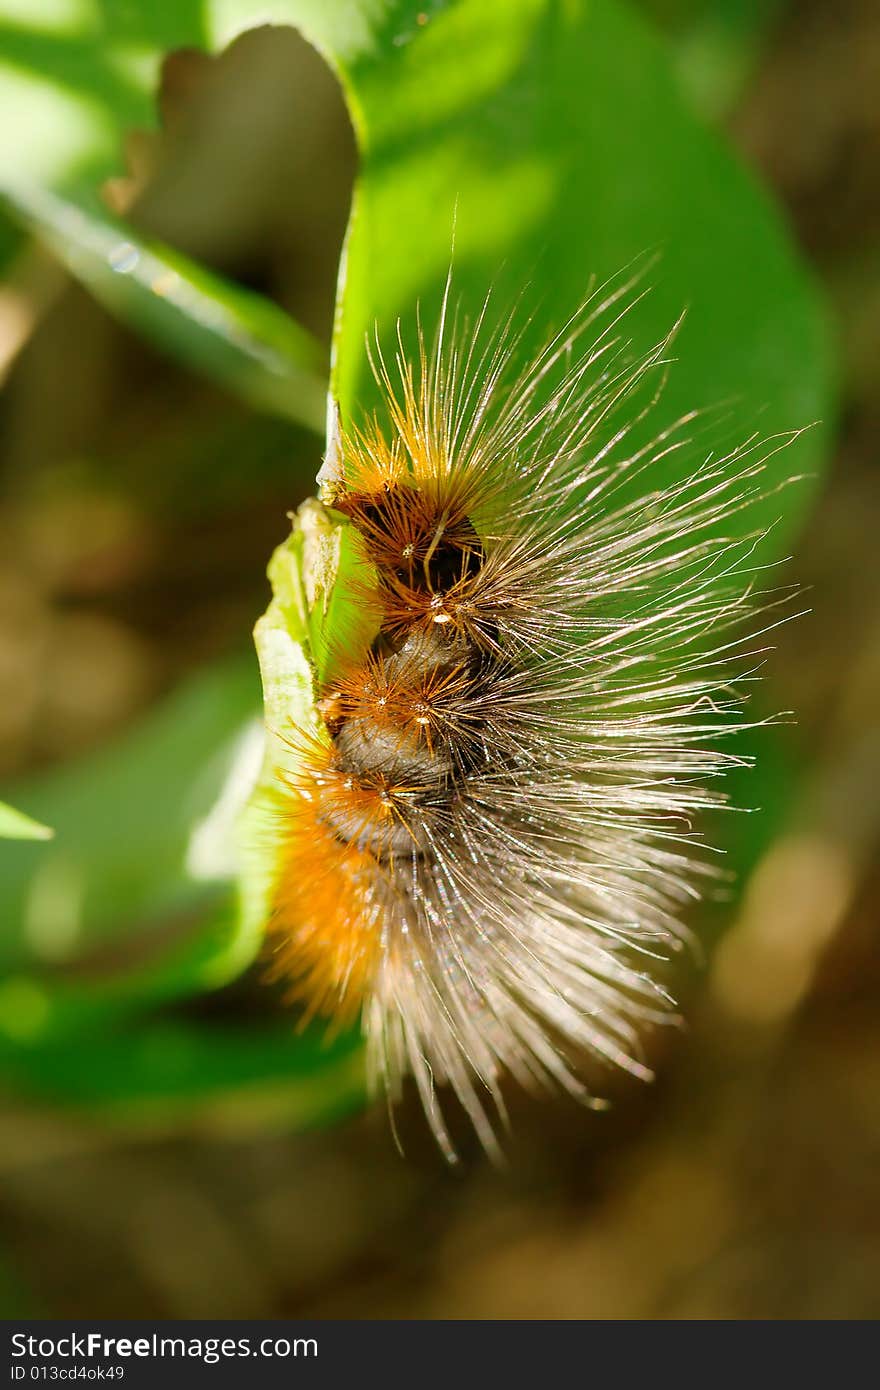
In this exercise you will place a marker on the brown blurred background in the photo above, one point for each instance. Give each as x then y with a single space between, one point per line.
138 509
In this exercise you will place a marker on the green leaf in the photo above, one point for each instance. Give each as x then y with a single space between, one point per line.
15 825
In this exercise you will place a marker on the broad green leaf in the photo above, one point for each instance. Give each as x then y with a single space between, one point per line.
15 825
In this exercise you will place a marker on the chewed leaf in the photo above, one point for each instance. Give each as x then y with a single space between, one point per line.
314 575
314 612
15 825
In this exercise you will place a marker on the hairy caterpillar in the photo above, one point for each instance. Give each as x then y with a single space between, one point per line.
483 821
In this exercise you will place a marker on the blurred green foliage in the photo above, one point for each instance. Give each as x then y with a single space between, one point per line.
242 340
123 820
555 138
715 44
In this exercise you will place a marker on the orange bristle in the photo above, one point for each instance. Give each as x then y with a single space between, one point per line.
326 921
420 703
408 510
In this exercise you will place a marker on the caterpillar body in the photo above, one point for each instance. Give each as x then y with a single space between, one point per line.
484 830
